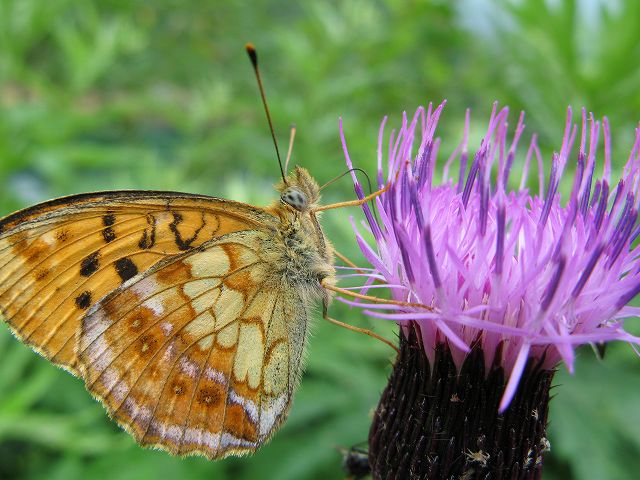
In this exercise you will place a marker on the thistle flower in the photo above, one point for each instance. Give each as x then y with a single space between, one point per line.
511 278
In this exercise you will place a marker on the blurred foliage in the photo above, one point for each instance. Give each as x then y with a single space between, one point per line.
99 95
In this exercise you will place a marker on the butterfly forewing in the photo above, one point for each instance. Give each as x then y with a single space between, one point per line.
59 258
194 354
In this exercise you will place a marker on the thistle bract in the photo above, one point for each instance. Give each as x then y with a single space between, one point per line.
488 262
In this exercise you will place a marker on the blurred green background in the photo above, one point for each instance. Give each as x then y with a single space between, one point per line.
99 95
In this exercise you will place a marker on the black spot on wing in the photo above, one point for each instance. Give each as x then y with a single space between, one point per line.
183 243
149 234
84 300
109 219
62 235
126 268
90 264
179 388
107 233
42 274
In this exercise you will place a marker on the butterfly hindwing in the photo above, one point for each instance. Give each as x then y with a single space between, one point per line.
59 258
201 353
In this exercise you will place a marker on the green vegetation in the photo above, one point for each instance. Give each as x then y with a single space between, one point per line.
100 95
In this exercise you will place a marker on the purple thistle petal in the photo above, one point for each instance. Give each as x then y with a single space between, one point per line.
358 188
451 336
635 234
628 296
581 339
403 244
540 169
405 200
587 270
413 196
619 189
512 149
380 138
596 194
500 240
514 378
602 206
422 164
551 191
431 257
552 288
606 171
577 178
622 237
472 175
527 162
533 273
591 163
460 319
483 188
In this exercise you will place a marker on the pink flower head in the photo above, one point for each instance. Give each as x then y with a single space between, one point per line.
520 274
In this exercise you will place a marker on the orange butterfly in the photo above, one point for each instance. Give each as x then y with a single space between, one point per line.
185 315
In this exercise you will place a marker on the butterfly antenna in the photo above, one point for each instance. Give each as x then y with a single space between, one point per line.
292 136
356 169
253 56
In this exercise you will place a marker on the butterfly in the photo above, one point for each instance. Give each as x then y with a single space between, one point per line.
185 315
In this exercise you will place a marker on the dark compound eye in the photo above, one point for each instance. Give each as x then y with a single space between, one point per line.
295 198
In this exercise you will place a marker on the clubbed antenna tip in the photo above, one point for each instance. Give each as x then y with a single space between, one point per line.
251 51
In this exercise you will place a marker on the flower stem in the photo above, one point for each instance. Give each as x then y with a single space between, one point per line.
435 423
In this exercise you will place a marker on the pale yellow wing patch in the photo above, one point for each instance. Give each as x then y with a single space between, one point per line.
59 258
201 353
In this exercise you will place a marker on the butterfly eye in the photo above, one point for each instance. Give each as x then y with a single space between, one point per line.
295 198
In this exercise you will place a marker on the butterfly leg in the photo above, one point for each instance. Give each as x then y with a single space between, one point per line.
353 203
325 315
346 260
370 298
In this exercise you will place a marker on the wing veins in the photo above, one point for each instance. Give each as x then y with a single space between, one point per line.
66 223
159 319
137 305
135 383
186 423
28 272
299 359
264 355
44 302
188 418
79 287
169 287
210 206
224 411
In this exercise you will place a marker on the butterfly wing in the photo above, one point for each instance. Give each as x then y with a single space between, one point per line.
201 353
59 258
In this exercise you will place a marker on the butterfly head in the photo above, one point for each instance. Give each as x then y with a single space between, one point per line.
300 191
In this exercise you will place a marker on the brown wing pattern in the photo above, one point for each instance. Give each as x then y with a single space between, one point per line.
59 258
201 353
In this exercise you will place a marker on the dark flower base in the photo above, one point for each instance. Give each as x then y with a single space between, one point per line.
438 424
